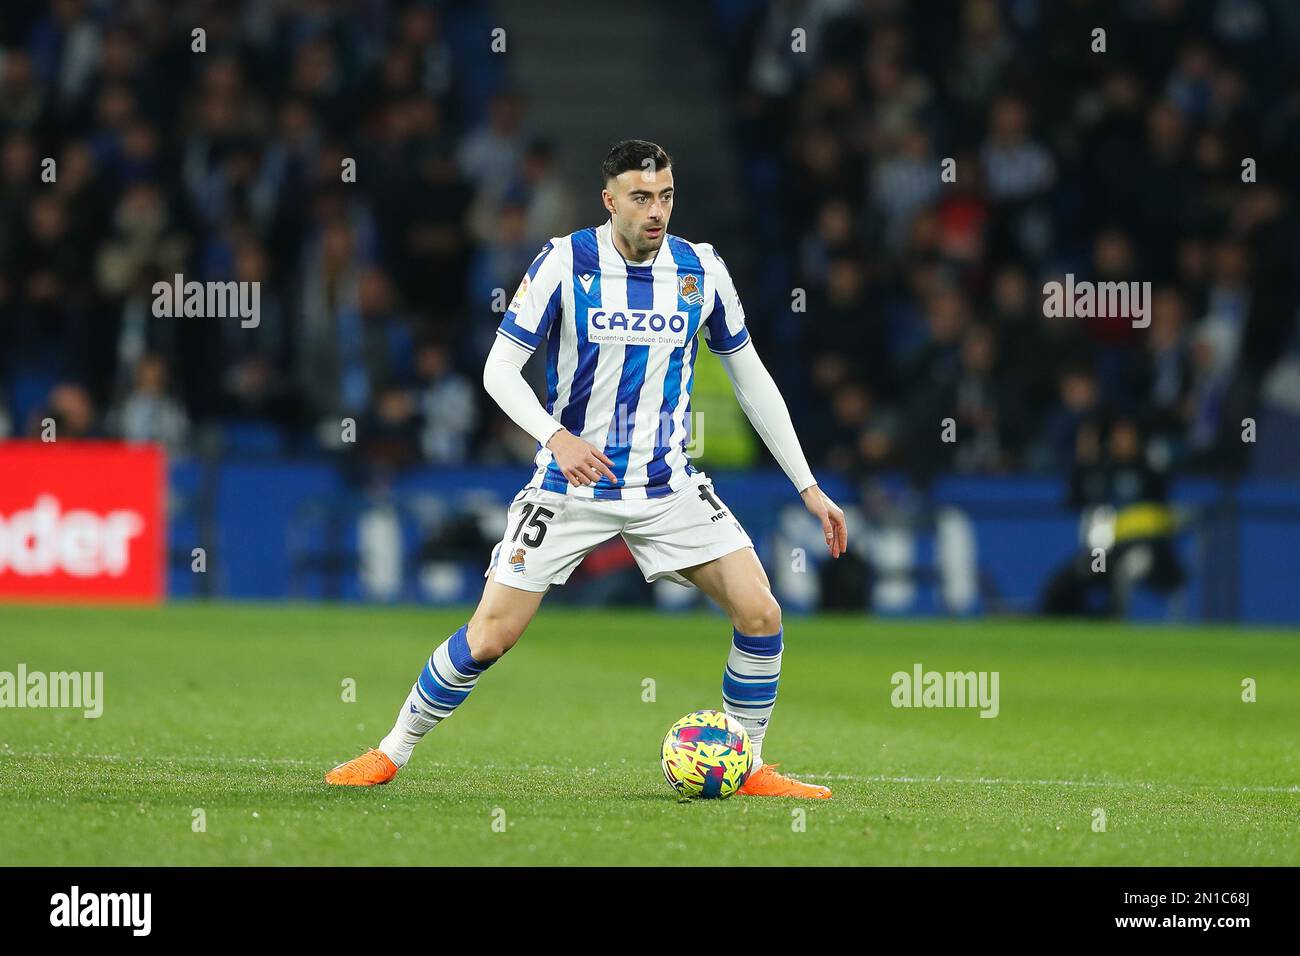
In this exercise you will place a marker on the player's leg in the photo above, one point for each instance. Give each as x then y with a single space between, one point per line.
445 682
738 584
691 537
546 537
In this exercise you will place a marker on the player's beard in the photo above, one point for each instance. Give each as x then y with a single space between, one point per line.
648 246
635 239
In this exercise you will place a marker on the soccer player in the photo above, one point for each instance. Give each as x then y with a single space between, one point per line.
619 310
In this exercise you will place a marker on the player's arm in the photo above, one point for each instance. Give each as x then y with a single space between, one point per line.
728 338
580 462
535 306
767 412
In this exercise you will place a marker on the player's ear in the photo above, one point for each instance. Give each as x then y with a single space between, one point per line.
607 198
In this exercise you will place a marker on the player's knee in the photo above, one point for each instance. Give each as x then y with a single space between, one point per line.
760 615
489 637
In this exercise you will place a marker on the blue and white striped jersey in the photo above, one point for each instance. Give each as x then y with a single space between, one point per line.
620 351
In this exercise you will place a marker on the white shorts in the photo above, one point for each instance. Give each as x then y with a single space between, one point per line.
548 534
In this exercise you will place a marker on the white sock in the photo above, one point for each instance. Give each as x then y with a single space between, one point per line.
749 684
443 685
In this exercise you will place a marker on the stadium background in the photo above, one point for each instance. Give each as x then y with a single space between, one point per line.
815 172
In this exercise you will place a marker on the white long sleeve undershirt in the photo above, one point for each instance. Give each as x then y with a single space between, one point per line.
767 412
503 378
755 390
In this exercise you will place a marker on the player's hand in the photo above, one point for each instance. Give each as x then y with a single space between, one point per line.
832 518
580 461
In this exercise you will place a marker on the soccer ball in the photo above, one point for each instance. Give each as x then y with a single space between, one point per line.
707 754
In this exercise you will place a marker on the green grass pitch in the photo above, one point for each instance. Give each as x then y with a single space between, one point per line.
237 711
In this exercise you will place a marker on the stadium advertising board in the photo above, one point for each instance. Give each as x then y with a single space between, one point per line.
81 521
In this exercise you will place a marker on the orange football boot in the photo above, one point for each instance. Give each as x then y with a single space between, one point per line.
766 782
370 768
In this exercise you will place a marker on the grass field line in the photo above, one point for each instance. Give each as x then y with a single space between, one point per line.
155 758
855 778
1015 782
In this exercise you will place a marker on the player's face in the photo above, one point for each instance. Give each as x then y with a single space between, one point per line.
640 203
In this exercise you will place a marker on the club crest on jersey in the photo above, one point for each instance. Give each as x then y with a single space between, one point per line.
688 288
517 560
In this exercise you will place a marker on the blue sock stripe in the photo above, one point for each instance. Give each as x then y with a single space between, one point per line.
749 693
749 680
450 686
437 709
432 690
758 707
760 646
751 696
461 658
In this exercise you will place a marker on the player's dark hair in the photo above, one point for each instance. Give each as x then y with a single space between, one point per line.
632 154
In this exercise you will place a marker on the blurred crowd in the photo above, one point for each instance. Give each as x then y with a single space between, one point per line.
920 299
1114 156
232 162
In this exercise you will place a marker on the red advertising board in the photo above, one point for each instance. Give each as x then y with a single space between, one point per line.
81 521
